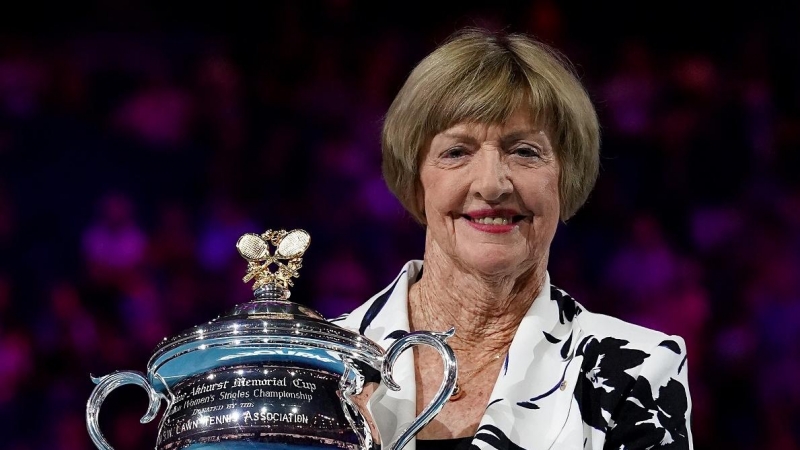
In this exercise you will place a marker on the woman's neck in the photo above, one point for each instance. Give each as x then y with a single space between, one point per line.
485 310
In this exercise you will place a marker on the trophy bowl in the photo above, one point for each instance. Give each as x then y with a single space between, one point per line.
271 373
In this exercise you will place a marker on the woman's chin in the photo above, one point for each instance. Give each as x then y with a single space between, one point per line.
489 264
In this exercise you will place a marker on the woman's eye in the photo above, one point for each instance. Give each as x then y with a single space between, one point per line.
526 151
455 152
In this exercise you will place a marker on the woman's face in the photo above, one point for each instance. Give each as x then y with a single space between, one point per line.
490 195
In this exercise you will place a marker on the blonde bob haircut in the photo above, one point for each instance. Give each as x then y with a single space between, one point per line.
481 76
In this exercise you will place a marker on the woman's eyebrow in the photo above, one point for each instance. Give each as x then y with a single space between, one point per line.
460 136
515 136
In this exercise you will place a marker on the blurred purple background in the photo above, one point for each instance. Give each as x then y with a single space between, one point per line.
138 142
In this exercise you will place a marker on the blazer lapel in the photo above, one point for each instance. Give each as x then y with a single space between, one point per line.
532 396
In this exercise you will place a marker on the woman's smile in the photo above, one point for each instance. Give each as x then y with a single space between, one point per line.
493 220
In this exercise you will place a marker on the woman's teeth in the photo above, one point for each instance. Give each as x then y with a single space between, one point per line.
492 220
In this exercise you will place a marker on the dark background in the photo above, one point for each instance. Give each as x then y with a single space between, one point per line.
138 141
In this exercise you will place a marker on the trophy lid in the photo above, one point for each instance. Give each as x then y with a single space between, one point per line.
267 326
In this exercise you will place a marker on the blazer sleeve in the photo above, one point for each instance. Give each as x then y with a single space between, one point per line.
655 413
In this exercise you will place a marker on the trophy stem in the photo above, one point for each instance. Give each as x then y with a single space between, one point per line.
271 291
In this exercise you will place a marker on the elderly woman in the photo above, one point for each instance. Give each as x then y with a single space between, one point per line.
491 141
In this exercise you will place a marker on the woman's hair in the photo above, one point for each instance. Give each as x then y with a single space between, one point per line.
482 76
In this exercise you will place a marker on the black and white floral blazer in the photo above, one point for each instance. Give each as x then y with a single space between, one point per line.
571 380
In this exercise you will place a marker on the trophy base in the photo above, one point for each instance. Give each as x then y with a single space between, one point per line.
252 446
271 442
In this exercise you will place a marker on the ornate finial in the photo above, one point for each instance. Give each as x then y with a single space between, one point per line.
289 246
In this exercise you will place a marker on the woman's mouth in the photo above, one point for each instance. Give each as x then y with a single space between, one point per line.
493 222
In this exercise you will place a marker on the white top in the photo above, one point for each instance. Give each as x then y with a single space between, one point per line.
571 380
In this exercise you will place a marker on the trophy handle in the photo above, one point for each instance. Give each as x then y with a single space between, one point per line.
437 341
104 387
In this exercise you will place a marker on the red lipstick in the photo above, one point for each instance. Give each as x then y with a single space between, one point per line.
510 215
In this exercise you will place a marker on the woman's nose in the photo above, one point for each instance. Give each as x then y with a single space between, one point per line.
491 177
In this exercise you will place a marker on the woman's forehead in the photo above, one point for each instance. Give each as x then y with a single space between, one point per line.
521 119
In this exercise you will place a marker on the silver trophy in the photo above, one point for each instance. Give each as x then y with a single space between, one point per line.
272 373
